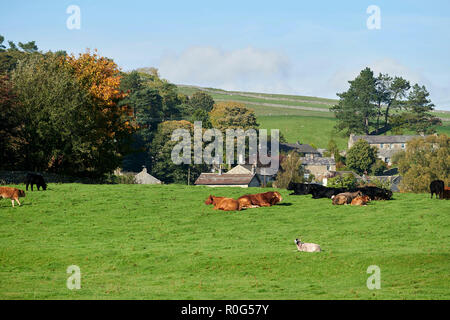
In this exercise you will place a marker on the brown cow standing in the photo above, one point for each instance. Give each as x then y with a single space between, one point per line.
11 193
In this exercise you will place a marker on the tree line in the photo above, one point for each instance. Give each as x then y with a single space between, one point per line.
375 105
82 116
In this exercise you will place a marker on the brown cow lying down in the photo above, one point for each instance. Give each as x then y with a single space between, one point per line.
345 197
11 193
222 203
360 201
213 200
265 199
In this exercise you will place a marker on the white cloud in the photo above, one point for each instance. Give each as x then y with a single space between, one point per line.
242 69
251 69
338 82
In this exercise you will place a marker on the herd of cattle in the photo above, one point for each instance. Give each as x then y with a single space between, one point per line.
339 196
355 196
14 194
359 196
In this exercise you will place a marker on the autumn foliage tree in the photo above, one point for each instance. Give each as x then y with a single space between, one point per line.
232 115
71 120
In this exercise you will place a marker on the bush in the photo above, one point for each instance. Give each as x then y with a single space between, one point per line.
425 159
379 167
381 183
345 181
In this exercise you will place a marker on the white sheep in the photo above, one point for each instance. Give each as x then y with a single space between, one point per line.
307 247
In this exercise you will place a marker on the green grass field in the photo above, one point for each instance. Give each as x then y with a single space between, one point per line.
162 242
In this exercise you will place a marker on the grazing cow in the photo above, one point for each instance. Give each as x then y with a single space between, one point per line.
437 187
11 193
37 179
265 199
374 193
345 197
360 201
307 247
227 204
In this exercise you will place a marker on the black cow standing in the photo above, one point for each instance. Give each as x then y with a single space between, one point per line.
37 179
437 187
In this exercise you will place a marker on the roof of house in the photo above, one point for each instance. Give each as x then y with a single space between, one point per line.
302 148
388 153
383 139
247 169
224 179
318 161
145 178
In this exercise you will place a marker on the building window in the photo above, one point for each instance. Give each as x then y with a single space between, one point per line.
403 146
381 146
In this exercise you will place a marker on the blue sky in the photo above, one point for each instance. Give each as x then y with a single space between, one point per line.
297 47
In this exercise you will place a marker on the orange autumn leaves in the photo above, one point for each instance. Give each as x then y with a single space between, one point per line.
101 77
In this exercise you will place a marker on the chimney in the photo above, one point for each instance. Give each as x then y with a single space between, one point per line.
253 168
144 169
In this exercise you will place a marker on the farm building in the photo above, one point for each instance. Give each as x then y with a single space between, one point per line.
320 167
264 174
142 177
145 178
304 149
387 145
228 180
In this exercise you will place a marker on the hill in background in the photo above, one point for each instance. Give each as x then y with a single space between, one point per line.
299 118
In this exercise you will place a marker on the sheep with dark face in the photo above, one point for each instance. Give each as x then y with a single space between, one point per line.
307 247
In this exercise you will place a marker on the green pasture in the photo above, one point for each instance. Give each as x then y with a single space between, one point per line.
163 242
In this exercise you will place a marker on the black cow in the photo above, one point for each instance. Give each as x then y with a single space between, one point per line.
298 188
326 192
374 193
37 179
437 187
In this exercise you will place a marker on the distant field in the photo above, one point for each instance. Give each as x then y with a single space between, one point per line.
163 242
299 118
306 129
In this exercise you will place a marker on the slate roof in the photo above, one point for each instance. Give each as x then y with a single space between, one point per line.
318 161
388 153
224 179
247 169
145 178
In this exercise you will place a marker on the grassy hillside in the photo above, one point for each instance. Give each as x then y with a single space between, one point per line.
162 242
299 118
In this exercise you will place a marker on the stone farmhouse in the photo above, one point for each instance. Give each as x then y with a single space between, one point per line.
387 145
